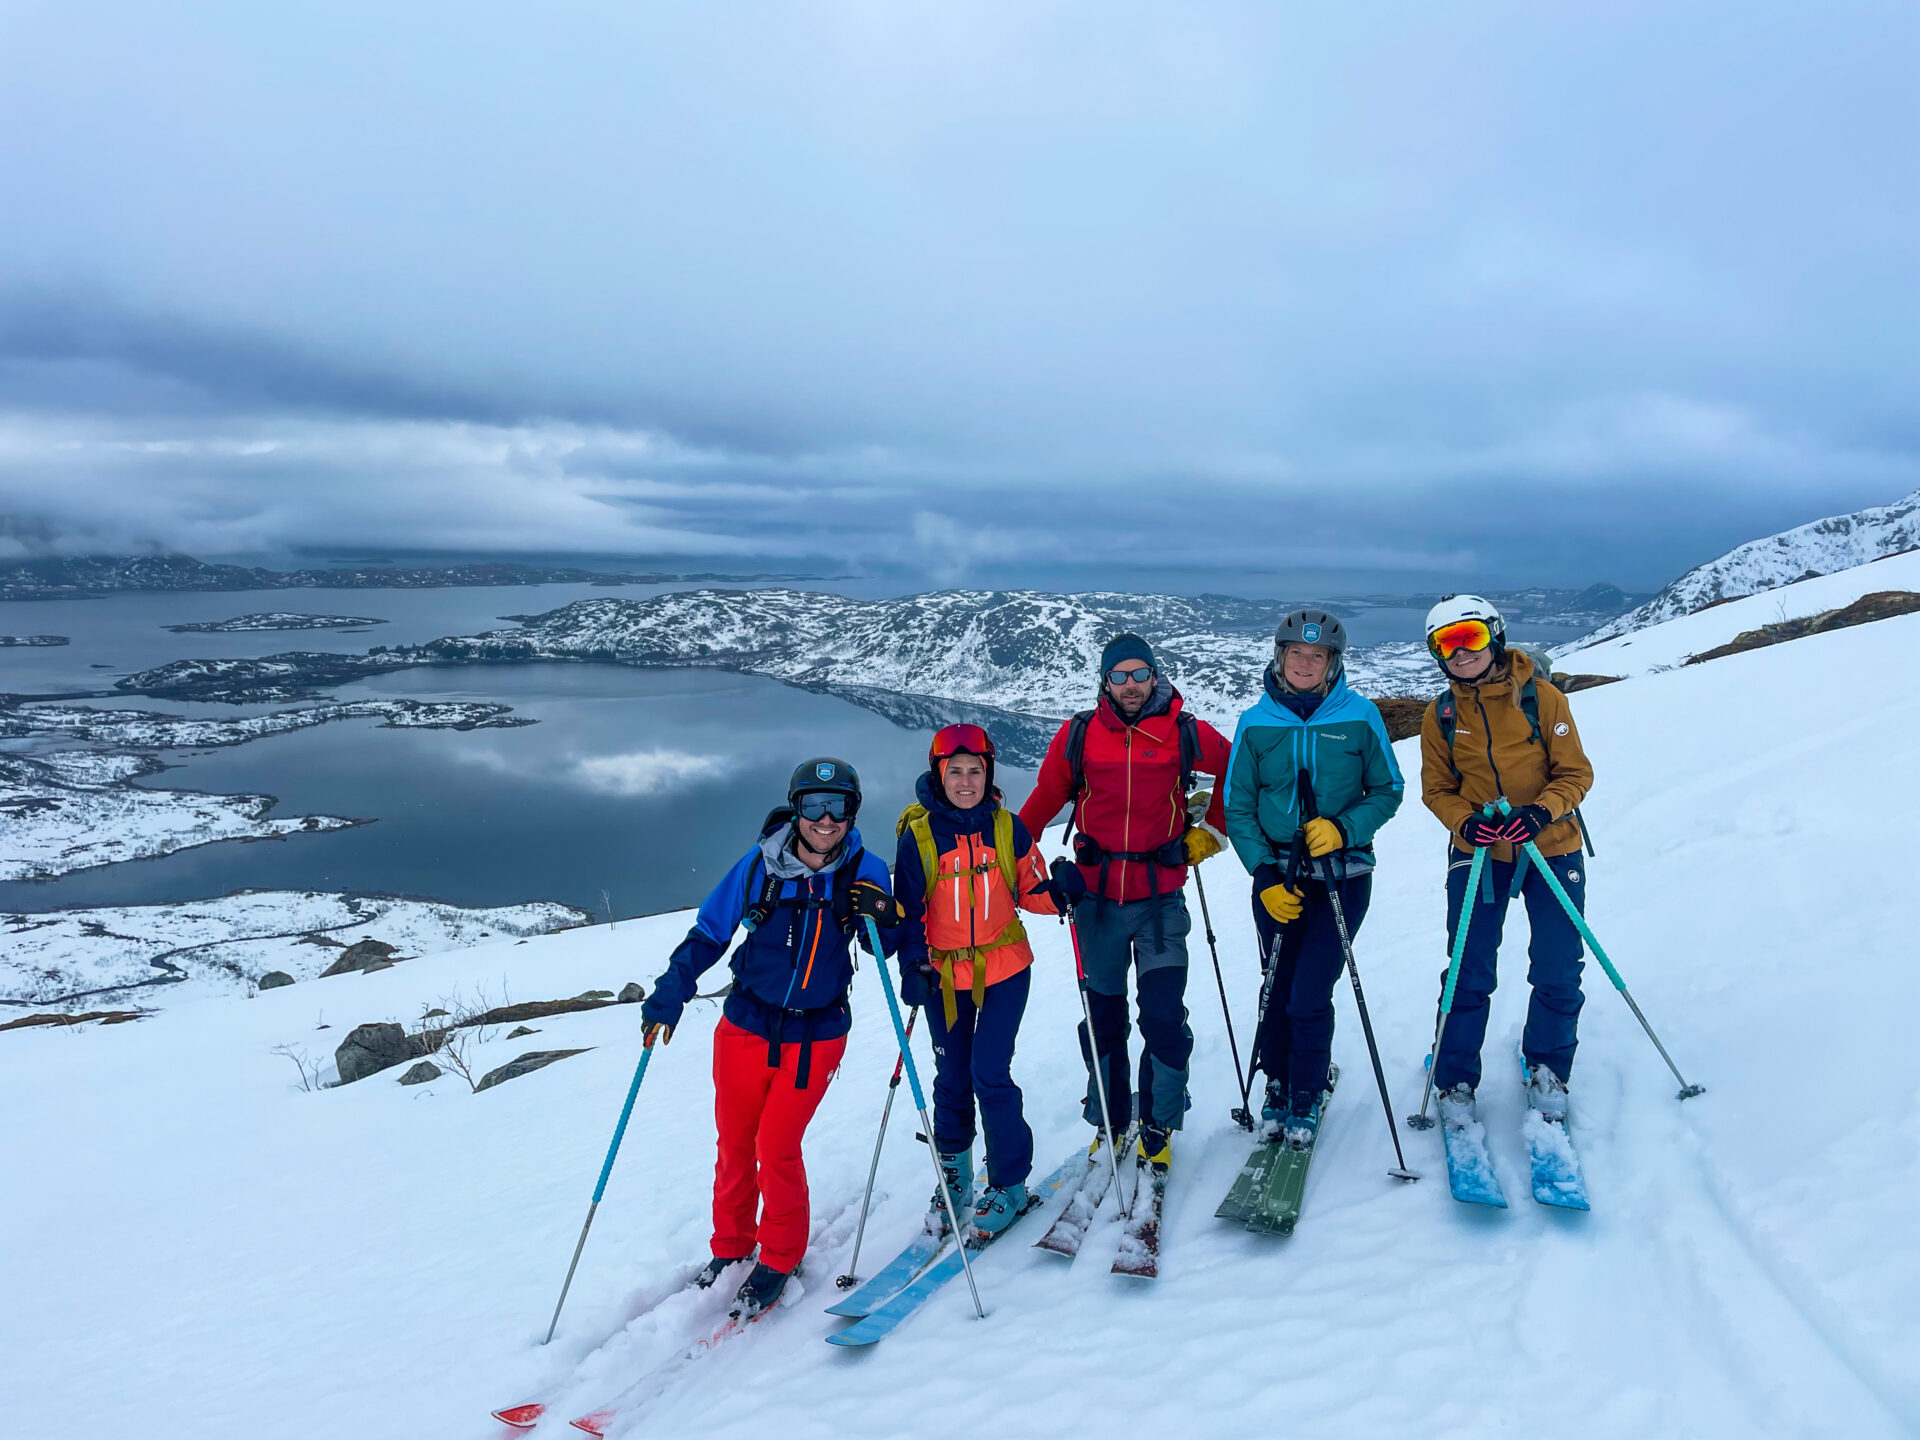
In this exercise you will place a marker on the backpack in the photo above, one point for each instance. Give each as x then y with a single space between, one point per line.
915 819
1188 727
1446 713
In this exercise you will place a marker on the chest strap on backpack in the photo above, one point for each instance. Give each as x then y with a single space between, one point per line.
916 820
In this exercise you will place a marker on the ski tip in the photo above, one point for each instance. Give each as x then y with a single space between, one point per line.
594 1424
520 1417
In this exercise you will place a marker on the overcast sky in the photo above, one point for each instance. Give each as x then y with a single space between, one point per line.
1518 292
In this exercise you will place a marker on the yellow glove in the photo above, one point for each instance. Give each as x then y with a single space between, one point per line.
1201 843
1323 838
1283 904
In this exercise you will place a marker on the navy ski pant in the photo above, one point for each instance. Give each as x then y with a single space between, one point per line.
974 1061
1554 953
1295 1043
1113 936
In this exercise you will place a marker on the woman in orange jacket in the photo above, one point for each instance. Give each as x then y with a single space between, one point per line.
965 868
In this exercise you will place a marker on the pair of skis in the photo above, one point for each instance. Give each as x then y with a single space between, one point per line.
914 1276
1139 1251
1557 1178
1267 1192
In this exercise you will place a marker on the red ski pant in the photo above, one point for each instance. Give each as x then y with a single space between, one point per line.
761 1117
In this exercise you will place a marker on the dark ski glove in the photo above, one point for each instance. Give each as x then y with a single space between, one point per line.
1068 886
919 985
1478 830
870 900
656 1014
1523 824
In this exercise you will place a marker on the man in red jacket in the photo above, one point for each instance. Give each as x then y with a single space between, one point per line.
1132 850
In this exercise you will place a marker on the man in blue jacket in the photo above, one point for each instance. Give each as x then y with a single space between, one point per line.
801 892
1308 724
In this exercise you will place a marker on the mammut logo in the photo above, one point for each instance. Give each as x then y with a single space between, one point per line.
1562 728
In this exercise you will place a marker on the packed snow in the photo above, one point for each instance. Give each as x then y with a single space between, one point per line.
1642 652
200 1247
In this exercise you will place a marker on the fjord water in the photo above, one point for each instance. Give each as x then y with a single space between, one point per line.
635 789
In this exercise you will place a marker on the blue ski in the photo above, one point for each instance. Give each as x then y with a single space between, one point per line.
1469 1168
893 1277
884 1320
1557 1177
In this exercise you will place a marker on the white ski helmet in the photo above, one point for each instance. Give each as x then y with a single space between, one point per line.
1452 609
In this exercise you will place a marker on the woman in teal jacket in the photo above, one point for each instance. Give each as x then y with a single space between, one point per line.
1308 723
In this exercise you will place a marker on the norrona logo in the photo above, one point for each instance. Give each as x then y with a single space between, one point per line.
824 771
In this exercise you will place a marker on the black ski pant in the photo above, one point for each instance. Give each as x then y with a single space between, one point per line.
1113 938
1295 1042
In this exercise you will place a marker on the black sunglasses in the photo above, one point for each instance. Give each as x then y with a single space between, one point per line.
1141 673
823 806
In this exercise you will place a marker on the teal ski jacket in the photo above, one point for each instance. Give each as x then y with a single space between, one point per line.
1343 748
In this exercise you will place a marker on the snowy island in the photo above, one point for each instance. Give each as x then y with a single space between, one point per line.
273 620
11 640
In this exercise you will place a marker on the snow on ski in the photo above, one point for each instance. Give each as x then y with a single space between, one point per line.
1557 1177
1095 1179
1469 1167
1250 1183
888 1317
1275 1208
1139 1253
597 1421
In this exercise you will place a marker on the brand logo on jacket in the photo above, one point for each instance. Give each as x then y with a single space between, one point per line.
1562 728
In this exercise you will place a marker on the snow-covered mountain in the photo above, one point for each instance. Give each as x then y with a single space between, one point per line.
1838 542
1030 652
203 1248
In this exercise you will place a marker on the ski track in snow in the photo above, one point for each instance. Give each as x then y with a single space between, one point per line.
205 1250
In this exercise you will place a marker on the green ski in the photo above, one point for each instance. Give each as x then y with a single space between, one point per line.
1276 1207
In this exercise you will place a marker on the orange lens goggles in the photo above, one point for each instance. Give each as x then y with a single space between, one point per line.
951 740
1461 635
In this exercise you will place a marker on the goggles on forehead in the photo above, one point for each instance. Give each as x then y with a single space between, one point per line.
1121 675
824 805
951 740
1449 640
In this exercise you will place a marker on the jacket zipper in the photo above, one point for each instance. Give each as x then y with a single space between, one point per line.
1126 826
1486 729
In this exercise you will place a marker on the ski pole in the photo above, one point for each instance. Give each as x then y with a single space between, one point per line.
1687 1092
920 1104
1468 899
848 1280
1310 810
1242 1115
1093 1050
599 1189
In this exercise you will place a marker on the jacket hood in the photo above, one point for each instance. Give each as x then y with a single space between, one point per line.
1341 703
777 850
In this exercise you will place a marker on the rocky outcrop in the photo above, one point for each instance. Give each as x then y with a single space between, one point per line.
421 1073
632 993
524 1065
275 979
358 956
369 1049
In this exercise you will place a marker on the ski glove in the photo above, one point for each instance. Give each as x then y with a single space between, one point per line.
1324 837
870 900
1523 824
1477 830
654 1030
919 985
1201 844
1068 886
1283 904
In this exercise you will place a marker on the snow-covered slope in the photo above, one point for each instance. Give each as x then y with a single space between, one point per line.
1669 643
196 1247
1838 542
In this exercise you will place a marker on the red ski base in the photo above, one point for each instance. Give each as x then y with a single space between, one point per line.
521 1417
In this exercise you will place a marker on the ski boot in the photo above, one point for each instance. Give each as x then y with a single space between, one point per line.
715 1268
1155 1148
958 1169
1547 1093
1303 1124
999 1207
1273 1113
759 1293
1456 1105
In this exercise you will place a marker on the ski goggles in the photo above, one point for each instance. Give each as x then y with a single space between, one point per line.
951 740
824 805
1449 640
1140 674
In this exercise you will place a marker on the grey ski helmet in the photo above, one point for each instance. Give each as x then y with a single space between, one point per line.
824 773
1312 627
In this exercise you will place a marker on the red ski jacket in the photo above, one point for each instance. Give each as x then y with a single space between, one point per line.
1130 798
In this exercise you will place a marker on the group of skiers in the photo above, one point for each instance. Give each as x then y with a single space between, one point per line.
1306 783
